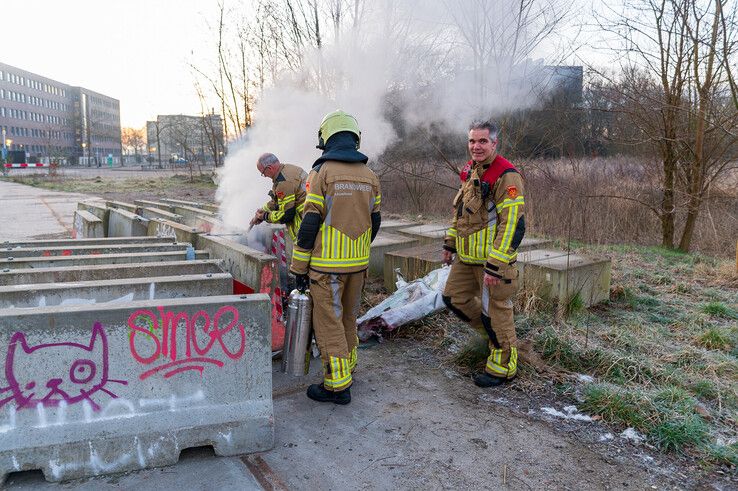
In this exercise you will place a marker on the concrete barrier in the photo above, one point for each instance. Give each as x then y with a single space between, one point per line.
121 205
194 204
559 276
151 213
166 228
144 203
115 290
107 272
427 233
97 208
64 261
252 271
84 250
87 225
393 225
115 388
385 242
123 223
39 244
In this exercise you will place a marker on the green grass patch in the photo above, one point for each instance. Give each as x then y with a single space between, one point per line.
719 309
717 339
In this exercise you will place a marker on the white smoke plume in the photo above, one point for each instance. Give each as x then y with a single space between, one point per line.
443 61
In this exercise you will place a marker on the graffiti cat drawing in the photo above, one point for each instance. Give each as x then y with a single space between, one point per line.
53 373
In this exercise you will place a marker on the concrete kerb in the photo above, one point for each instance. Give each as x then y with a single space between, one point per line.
129 386
91 249
121 205
123 223
115 290
64 261
97 208
145 203
39 244
108 272
87 225
194 204
254 269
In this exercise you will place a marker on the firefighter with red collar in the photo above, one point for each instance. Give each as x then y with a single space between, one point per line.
487 227
331 254
287 194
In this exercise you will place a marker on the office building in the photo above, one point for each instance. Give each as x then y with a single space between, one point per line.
52 120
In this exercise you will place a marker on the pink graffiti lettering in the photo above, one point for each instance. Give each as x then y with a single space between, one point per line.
157 335
53 373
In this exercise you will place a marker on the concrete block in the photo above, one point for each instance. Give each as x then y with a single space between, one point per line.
151 213
87 225
97 208
125 223
107 272
115 290
386 242
194 204
427 233
393 225
40 244
166 228
84 250
561 277
198 218
144 203
65 261
126 387
416 262
413 263
531 243
254 269
121 205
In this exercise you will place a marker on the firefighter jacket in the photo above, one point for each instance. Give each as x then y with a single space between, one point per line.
488 222
288 198
341 218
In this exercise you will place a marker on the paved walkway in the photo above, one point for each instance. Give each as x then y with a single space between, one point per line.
31 213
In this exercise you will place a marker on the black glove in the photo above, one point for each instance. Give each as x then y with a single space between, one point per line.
302 282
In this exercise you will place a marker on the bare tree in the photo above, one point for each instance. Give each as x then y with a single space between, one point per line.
133 141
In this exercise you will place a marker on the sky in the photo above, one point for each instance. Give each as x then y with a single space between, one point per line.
137 51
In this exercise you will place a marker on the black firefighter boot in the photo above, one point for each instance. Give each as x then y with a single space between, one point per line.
484 379
319 393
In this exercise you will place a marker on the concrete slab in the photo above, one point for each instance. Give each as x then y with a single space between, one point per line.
81 242
561 277
385 242
531 243
393 224
115 290
32 212
123 395
107 272
426 233
63 261
82 250
87 225
123 223
151 213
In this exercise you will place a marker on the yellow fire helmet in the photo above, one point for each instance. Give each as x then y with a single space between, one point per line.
336 122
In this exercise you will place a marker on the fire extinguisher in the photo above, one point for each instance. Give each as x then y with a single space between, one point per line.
298 334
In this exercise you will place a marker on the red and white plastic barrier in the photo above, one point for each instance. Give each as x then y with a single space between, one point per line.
24 165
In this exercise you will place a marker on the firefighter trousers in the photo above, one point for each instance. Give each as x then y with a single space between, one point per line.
336 300
488 310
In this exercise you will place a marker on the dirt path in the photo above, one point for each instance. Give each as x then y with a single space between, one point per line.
414 425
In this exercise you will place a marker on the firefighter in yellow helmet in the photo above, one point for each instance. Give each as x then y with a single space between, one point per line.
487 227
287 194
331 254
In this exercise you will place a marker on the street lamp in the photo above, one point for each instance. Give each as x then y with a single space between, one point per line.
84 152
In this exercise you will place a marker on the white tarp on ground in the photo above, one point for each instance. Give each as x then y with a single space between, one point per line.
411 301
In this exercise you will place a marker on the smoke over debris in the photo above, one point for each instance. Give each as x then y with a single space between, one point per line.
442 62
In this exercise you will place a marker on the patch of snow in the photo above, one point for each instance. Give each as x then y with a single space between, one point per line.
606 437
585 379
570 412
632 435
